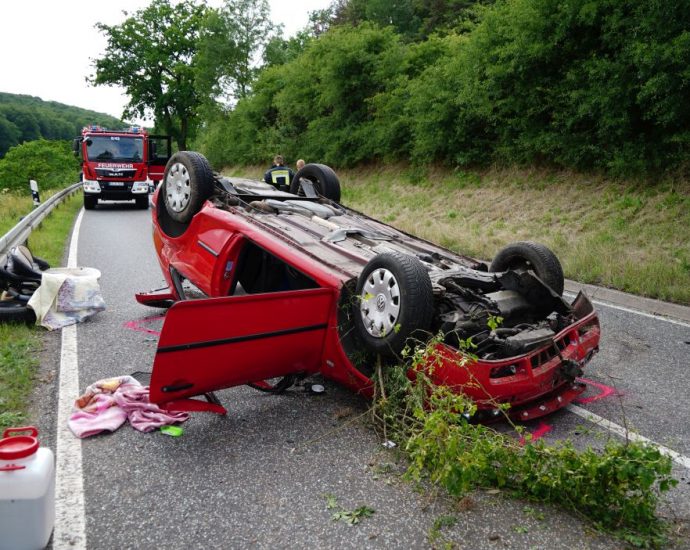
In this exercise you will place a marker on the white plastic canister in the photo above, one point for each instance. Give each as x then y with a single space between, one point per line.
27 490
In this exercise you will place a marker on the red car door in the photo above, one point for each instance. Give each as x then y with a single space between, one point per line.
217 343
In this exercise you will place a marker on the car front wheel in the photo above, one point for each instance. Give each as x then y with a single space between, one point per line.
528 255
395 302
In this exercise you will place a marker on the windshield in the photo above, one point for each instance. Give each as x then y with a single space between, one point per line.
115 148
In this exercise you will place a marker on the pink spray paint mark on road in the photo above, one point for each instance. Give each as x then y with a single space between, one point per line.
604 392
137 325
540 432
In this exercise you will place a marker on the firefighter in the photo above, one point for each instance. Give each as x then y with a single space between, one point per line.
279 174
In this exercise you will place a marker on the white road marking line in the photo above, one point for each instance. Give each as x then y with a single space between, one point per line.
621 431
70 523
635 311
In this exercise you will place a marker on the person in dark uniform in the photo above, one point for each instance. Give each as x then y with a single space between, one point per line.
279 174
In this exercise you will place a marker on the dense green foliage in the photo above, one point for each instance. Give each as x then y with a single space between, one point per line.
617 487
50 163
26 118
590 84
152 54
179 61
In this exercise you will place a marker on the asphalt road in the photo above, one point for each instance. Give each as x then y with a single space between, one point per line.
261 477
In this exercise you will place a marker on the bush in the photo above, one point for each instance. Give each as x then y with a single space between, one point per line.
51 163
598 84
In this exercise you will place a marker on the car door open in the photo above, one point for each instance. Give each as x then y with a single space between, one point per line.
217 343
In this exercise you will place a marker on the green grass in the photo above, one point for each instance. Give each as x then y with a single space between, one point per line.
18 362
20 344
48 241
14 206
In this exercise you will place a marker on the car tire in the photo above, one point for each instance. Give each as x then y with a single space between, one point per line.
16 311
395 302
142 203
325 180
187 183
90 202
524 255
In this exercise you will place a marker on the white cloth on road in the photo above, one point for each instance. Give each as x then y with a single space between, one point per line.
67 296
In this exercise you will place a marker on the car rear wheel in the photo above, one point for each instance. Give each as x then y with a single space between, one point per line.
187 183
526 255
324 179
395 302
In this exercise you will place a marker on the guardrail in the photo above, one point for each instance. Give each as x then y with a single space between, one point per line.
20 232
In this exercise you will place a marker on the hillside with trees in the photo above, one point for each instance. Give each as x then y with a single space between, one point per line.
26 118
593 86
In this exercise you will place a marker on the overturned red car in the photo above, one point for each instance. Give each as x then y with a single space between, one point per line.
267 286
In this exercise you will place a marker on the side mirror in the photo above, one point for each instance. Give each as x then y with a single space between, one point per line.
76 146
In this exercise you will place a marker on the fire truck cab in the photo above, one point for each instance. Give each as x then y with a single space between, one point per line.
120 165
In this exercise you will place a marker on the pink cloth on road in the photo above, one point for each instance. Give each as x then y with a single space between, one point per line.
101 416
143 415
106 404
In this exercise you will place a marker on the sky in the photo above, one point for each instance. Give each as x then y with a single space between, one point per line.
47 47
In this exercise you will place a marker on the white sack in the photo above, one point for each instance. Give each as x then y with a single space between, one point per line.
67 296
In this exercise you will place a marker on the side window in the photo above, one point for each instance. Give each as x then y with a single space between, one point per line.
159 149
259 271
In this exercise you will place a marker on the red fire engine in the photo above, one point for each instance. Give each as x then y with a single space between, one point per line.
120 165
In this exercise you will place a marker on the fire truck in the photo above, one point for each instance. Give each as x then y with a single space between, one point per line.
120 165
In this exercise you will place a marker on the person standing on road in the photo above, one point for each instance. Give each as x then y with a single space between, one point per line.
279 174
299 164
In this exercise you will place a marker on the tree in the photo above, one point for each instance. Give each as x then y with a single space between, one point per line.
231 44
9 134
51 163
153 55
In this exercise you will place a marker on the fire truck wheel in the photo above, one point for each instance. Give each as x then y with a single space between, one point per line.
142 202
395 302
325 181
89 202
187 183
524 255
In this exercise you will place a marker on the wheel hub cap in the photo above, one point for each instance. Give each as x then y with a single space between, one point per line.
177 187
380 303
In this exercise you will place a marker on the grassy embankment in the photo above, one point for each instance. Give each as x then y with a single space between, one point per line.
632 236
20 344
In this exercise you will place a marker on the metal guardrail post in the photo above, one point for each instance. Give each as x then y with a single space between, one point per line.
20 232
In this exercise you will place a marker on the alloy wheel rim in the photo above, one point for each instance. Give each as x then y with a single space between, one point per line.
380 303
177 186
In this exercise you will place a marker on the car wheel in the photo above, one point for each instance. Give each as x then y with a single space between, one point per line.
395 302
524 255
187 183
274 385
16 311
325 180
90 202
142 202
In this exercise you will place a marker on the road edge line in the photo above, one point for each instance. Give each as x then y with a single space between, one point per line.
625 433
70 522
